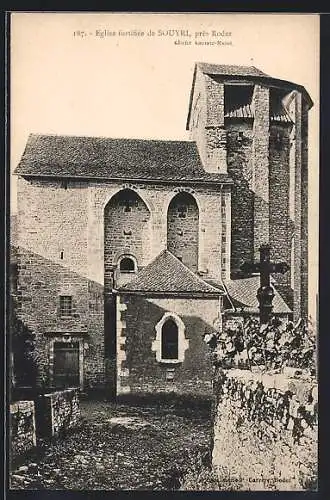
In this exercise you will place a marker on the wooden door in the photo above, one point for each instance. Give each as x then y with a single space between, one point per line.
66 364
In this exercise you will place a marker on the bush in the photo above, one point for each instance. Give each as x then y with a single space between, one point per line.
274 345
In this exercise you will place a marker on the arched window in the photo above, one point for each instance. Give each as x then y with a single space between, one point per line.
170 343
170 340
127 265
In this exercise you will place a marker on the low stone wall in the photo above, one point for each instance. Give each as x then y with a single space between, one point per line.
265 431
57 412
23 427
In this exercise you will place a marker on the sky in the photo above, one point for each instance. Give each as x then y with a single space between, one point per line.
66 78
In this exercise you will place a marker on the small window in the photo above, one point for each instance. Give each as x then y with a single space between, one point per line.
65 305
170 340
62 255
127 265
128 203
182 211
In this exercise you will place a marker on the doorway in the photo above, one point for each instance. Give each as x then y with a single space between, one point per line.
66 364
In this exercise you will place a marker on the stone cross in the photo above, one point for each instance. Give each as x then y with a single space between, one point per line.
265 268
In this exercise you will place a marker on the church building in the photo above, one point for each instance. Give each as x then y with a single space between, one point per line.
129 250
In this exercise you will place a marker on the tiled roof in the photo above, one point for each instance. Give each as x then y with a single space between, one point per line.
228 69
99 157
243 293
167 274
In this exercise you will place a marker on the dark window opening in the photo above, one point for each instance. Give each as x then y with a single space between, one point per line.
62 255
64 184
127 265
278 104
238 99
170 340
65 305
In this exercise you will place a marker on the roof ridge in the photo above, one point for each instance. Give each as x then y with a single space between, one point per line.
144 269
180 268
141 139
192 272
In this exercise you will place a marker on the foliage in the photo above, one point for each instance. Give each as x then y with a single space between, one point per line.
24 358
275 345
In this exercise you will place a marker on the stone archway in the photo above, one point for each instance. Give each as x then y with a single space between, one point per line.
127 223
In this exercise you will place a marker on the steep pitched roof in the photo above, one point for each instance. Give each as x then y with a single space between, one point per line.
167 274
243 293
104 158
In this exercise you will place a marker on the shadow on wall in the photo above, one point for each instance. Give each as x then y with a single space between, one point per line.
144 374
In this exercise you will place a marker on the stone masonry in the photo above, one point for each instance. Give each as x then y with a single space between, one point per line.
261 141
51 264
22 428
86 203
138 369
269 421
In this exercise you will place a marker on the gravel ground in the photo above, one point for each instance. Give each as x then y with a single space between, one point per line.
120 447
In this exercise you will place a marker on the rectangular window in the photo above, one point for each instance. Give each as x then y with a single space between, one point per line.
65 305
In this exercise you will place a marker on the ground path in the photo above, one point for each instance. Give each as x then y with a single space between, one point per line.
121 446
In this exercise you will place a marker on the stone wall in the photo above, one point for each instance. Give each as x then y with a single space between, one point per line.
62 249
240 168
57 412
22 427
126 232
197 121
281 229
157 199
268 176
265 430
41 282
139 369
183 229
260 159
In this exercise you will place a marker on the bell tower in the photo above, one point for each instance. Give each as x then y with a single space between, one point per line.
254 128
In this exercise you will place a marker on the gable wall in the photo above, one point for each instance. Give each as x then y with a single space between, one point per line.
52 219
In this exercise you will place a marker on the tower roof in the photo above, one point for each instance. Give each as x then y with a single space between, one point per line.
166 274
251 73
230 70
